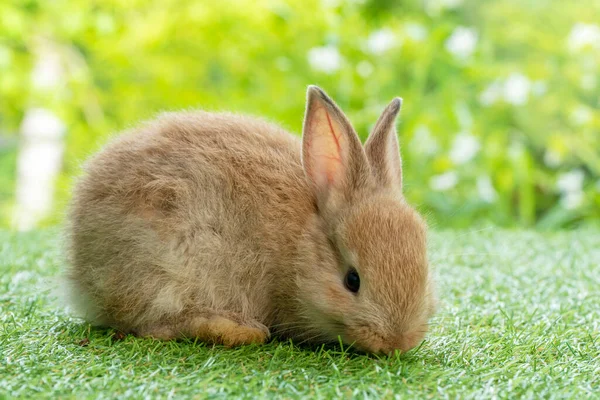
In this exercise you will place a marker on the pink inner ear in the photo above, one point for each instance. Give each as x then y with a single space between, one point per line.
336 137
326 147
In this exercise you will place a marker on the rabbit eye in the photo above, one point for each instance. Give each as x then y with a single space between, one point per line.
352 280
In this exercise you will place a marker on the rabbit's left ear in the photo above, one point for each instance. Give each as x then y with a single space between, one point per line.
382 148
332 156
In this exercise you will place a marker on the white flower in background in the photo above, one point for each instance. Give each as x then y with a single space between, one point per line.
588 81
492 93
552 158
462 42
443 182
571 200
364 68
583 35
415 31
570 184
581 115
464 148
571 181
423 142
486 190
381 41
325 59
516 89
48 71
463 115
539 88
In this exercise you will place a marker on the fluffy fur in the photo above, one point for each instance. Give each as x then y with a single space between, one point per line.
228 228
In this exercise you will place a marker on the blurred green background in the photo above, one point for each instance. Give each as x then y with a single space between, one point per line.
500 124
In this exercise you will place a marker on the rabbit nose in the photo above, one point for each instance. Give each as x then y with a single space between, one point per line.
403 342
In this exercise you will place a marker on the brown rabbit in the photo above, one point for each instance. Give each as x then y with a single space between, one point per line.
223 227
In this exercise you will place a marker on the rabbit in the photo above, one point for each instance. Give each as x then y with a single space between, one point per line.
228 229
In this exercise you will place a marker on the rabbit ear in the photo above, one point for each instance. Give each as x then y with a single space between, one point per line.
332 155
382 148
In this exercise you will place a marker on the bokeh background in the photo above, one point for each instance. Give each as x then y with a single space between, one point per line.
500 124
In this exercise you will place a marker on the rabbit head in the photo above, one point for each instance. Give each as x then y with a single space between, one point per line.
368 281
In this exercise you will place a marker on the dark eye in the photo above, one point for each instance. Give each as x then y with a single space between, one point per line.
352 280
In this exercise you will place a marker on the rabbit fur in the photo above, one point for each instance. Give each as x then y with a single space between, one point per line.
227 228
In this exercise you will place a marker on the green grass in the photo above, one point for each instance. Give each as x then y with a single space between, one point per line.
520 316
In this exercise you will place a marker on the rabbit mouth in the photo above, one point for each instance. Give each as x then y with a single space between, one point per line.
369 340
363 338
336 329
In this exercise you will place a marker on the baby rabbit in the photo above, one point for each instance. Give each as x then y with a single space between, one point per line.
227 228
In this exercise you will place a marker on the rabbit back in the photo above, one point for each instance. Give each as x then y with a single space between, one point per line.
192 210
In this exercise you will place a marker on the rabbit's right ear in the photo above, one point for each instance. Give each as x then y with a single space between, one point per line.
332 156
382 148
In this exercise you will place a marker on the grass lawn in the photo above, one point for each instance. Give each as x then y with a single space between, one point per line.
520 316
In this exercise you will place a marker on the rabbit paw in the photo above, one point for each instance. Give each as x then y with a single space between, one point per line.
224 331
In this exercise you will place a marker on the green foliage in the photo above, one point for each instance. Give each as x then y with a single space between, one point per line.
518 319
512 76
